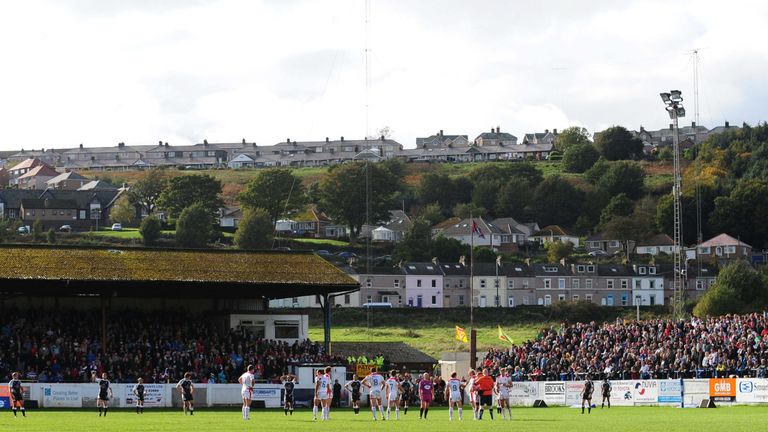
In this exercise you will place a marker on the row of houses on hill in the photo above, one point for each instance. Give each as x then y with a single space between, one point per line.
80 209
439 147
442 285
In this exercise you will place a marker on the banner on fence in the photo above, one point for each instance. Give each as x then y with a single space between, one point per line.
63 396
524 393
752 390
554 392
573 392
622 393
154 395
722 389
646 391
669 391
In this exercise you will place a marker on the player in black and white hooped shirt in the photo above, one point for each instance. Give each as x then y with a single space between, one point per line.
105 393
354 388
138 391
289 383
187 390
17 395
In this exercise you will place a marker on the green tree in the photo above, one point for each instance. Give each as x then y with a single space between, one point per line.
37 230
738 289
503 172
623 177
634 227
571 137
150 229
744 212
274 190
4 228
486 194
557 202
431 213
437 187
580 157
147 190
417 244
619 205
617 143
123 211
465 210
194 228
344 197
514 199
51 236
186 190
448 249
596 172
558 250
254 230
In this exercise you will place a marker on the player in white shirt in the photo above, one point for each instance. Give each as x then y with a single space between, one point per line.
503 384
246 392
316 401
472 393
392 389
324 392
453 395
375 383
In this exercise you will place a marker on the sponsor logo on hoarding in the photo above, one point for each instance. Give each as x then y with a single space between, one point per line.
556 389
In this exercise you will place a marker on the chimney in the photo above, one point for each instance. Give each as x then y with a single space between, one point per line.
81 147
463 260
642 129
166 144
493 130
546 131
288 140
342 139
434 261
671 126
498 129
160 142
205 142
243 140
326 139
441 133
693 124
554 131
727 125
382 138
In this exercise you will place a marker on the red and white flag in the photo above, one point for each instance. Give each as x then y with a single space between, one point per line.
476 230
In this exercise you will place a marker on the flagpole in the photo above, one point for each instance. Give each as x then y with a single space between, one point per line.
472 332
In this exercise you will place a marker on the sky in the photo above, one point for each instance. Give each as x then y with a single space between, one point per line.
141 71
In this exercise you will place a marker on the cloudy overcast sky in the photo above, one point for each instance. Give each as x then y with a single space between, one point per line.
138 71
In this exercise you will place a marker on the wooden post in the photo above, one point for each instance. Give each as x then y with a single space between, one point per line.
473 348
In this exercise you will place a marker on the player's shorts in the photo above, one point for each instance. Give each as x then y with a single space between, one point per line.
104 396
355 396
504 394
187 397
455 397
426 397
140 398
587 397
322 395
247 393
607 395
486 400
375 394
18 397
288 399
473 397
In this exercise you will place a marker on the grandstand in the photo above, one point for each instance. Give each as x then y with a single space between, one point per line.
67 311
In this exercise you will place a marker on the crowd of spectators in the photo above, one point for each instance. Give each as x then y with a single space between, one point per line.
159 347
731 345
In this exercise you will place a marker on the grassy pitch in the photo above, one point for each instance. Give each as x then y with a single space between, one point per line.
528 419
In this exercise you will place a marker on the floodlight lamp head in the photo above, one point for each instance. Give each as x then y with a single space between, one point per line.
665 97
680 112
676 96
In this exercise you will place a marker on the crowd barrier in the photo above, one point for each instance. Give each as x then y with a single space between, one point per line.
555 393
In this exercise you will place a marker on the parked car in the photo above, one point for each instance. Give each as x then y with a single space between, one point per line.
117 227
24 229
282 248
598 253
322 252
65 228
347 254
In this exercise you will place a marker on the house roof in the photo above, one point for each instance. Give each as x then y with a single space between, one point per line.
131 272
69 175
487 269
398 221
515 270
393 352
428 268
553 230
27 163
614 270
455 269
446 223
39 170
509 225
723 240
464 227
658 240
549 270
601 236
48 204
97 185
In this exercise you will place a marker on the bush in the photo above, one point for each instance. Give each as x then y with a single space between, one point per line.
738 289
194 227
150 229
37 230
51 236
580 158
255 230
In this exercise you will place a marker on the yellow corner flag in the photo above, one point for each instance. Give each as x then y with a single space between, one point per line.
461 335
503 336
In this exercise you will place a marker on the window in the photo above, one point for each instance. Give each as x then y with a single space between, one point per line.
651 270
461 300
730 249
624 283
588 284
547 283
609 300
652 299
317 299
447 283
286 329
347 299
588 297
580 268
699 284
511 301
540 301
434 283
525 284
461 283
525 300
652 284
396 283
547 300
434 300
624 299
369 299
637 284
482 283
575 283
510 284
641 270
418 283
704 250
368 283
609 283
550 269
613 243
561 283
575 297
590 269
561 297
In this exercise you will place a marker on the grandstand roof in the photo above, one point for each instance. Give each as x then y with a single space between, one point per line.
174 273
394 352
